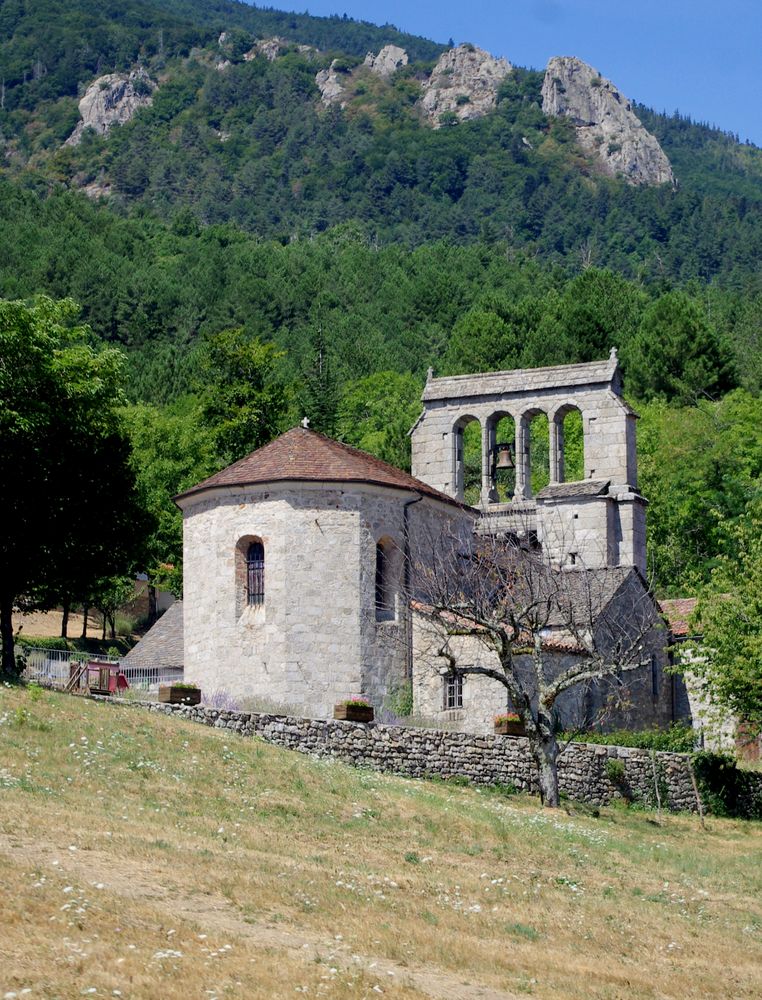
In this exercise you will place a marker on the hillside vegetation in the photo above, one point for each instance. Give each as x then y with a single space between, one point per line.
146 856
353 248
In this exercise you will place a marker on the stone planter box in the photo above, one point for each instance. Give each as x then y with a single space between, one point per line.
507 728
171 694
353 713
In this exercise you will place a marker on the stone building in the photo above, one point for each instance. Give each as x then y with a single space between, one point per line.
294 567
298 559
595 522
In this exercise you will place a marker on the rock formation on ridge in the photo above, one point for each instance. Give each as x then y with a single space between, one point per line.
465 83
331 84
605 123
387 62
112 100
271 48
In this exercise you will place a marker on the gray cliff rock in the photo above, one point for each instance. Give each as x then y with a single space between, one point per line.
332 84
387 62
605 123
271 48
112 100
465 82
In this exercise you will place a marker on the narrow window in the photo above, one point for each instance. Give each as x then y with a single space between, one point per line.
453 692
383 610
255 574
654 676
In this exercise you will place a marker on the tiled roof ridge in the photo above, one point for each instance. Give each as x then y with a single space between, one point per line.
368 468
677 611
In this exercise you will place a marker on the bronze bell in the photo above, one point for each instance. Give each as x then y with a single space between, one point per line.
504 454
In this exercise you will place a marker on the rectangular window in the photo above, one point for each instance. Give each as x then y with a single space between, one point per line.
654 676
453 691
255 574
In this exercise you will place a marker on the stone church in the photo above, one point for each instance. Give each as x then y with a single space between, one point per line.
297 558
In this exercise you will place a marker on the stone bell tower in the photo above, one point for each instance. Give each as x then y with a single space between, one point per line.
595 522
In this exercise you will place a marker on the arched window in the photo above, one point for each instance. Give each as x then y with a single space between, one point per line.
255 573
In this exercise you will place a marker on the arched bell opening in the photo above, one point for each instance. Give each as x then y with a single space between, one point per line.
567 445
538 447
500 459
467 459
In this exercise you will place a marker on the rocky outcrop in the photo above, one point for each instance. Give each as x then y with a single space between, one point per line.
387 62
332 84
605 123
271 48
464 83
112 100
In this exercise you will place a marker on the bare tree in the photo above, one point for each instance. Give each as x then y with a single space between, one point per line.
511 601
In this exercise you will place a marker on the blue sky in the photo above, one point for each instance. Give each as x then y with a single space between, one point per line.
702 57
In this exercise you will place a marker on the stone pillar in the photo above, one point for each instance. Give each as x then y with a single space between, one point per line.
523 483
556 445
489 489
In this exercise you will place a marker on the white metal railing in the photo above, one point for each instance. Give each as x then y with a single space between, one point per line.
52 666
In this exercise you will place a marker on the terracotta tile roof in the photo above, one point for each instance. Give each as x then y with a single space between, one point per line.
677 612
304 456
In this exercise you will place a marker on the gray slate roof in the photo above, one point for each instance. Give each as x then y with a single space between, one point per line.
162 645
583 488
600 373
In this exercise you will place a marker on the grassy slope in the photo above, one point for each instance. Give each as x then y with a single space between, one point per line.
156 858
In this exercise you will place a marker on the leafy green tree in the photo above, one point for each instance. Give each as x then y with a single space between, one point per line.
729 618
244 397
173 449
699 468
677 354
68 500
376 413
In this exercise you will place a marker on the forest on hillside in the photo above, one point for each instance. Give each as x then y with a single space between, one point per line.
256 248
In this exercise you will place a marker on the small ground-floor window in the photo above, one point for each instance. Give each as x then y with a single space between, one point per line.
453 691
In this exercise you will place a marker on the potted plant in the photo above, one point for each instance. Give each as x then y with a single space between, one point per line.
509 724
354 710
180 693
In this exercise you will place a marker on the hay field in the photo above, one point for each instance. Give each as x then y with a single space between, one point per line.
145 857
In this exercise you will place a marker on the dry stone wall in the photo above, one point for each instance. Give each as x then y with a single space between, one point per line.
483 760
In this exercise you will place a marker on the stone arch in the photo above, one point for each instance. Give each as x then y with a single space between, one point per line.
388 578
532 452
567 443
499 485
467 458
249 568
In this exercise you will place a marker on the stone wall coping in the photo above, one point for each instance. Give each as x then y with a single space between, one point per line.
522 381
484 759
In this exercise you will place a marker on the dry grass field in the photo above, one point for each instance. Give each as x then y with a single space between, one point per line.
144 857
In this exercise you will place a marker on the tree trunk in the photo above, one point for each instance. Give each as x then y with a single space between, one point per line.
6 636
85 613
544 747
547 773
65 620
152 605
103 635
112 625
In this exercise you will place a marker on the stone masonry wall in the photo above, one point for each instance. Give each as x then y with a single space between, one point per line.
484 760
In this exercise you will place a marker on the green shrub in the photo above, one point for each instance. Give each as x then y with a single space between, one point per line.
615 771
726 789
44 642
677 738
400 699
